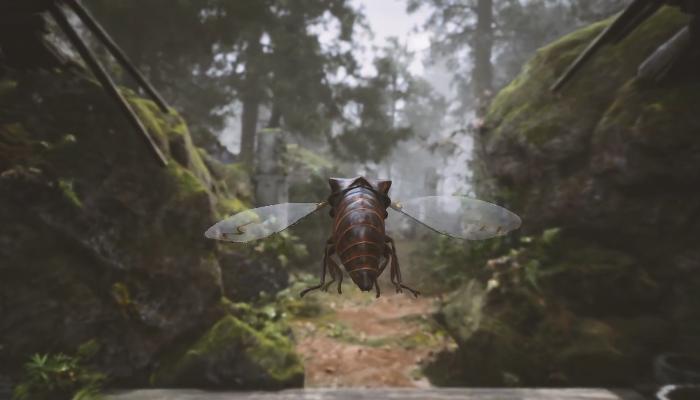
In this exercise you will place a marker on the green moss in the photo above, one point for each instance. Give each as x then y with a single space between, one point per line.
197 164
275 353
266 353
233 205
152 118
666 115
121 294
7 87
418 340
300 157
593 357
528 109
186 181
237 179
66 187
169 128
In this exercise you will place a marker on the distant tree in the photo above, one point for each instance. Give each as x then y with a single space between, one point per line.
525 26
381 110
463 34
287 68
487 41
175 44
206 55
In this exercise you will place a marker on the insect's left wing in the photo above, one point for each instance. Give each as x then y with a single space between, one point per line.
460 217
261 222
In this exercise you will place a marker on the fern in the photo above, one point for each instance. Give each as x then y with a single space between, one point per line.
58 377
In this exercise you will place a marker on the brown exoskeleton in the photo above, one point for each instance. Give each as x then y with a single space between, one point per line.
359 207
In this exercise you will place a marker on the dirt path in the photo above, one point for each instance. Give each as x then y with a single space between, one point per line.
366 342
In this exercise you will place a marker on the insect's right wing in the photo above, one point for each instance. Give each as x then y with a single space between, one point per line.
459 216
261 222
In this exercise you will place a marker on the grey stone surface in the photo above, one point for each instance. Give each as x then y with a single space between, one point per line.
383 394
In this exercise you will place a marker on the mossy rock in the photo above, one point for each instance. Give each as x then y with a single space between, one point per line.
528 111
232 355
493 355
595 280
594 358
98 239
610 160
606 149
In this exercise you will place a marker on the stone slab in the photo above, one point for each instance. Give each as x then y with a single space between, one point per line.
384 394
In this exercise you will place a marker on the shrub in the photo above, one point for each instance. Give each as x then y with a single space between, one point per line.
60 377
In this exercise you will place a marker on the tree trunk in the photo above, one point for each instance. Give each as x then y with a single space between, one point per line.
275 117
251 101
482 75
482 81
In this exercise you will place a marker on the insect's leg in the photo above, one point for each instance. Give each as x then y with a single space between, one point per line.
376 287
338 274
331 272
397 269
413 291
334 270
387 254
329 245
392 270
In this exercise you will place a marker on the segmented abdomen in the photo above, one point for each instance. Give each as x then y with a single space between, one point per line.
359 229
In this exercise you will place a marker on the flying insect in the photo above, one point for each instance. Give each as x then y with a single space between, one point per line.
359 241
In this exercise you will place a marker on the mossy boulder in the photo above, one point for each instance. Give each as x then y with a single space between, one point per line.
556 310
609 154
99 241
233 355
246 279
612 161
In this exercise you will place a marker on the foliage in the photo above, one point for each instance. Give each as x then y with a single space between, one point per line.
384 108
59 377
455 261
371 113
132 256
520 28
257 59
262 358
593 302
291 305
285 246
207 55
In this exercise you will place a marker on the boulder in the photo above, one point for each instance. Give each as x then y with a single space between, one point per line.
611 162
98 241
233 355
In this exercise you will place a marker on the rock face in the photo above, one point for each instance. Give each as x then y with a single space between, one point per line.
609 155
100 242
232 353
614 163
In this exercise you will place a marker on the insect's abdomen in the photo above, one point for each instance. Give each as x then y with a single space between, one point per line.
359 230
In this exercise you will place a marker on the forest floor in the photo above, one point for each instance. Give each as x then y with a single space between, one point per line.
360 341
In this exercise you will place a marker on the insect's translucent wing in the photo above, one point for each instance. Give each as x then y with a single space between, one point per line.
461 217
261 222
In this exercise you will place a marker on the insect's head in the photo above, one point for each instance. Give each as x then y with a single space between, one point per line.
340 184
364 278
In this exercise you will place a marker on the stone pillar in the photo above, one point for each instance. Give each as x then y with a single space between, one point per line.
271 186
